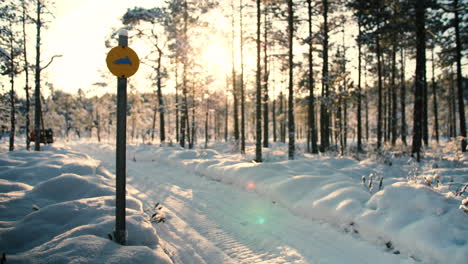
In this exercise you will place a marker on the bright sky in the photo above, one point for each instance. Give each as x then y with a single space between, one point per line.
78 32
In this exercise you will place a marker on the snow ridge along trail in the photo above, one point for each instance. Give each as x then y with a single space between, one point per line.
211 222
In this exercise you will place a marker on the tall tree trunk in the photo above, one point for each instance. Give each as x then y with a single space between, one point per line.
26 74
283 118
359 92
425 131
453 104
434 100
153 124
184 118
241 28
394 94
366 97
193 128
37 90
226 116
206 122
403 97
324 107
98 125
177 98
12 96
258 116
265 81
419 79
235 93
291 128
162 132
273 111
461 102
380 88
344 118
312 130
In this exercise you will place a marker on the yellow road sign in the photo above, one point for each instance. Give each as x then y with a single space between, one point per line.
122 61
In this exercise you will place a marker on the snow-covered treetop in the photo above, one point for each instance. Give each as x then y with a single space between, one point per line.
4 54
137 14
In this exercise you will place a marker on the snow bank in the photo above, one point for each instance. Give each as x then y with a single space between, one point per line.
407 218
58 206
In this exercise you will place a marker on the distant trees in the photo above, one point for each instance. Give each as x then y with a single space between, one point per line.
10 50
269 92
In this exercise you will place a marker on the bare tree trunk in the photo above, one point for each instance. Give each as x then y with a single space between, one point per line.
235 93
273 110
265 81
461 102
367 101
359 93
98 125
291 123
193 129
258 117
162 132
282 123
403 98
312 129
380 88
242 79
434 99
26 73
12 98
419 80
184 118
324 107
425 131
176 99
453 104
153 124
226 116
37 90
206 122
394 94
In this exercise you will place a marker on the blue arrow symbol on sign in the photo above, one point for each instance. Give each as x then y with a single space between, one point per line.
126 60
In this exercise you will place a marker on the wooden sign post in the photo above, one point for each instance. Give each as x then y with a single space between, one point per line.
123 62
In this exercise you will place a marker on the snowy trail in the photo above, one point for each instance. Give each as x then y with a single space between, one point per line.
211 222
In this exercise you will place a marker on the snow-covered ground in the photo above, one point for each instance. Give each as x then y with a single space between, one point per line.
57 206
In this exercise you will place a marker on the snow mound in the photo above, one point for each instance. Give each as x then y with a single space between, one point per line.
416 217
8 186
69 186
58 206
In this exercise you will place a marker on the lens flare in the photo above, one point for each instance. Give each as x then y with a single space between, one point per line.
260 220
251 186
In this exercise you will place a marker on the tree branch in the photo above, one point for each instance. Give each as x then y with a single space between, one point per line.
51 60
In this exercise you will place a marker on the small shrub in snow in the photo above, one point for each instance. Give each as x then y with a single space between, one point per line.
460 193
464 205
372 178
381 183
155 215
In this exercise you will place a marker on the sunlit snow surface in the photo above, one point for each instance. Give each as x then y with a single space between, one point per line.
57 206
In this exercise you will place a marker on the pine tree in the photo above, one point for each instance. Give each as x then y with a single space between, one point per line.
420 7
291 123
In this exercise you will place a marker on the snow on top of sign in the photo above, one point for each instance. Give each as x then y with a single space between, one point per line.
122 32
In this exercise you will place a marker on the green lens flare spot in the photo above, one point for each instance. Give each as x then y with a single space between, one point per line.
260 220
